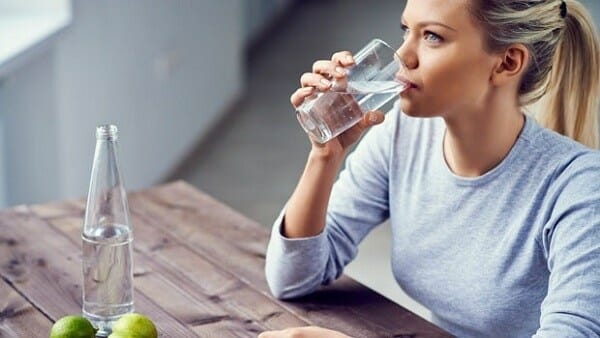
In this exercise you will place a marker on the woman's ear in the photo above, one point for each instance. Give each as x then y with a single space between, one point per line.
511 65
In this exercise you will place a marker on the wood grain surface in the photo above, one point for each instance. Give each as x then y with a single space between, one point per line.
198 272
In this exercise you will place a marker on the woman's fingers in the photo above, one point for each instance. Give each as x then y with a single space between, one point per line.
315 80
344 59
300 94
324 74
336 67
303 332
329 69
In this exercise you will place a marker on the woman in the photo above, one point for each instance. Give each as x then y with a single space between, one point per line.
495 216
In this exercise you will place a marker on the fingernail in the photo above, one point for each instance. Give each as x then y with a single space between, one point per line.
373 117
340 70
348 58
325 82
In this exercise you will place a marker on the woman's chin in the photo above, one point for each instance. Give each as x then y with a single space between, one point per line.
409 108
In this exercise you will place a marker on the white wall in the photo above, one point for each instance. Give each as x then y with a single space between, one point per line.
163 72
28 110
32 5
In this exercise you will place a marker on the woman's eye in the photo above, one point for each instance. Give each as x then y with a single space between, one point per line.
405 31
432 37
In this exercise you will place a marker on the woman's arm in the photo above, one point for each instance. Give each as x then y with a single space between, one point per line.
358 203
571 242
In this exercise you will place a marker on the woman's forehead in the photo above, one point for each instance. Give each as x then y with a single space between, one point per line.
447 11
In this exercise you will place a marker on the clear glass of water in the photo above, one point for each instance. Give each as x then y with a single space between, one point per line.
374 80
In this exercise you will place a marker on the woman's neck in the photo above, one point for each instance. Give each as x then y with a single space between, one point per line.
476 143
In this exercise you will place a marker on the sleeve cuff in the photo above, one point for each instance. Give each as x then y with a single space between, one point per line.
287 245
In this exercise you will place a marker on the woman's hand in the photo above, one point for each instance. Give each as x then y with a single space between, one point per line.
303 332
323 74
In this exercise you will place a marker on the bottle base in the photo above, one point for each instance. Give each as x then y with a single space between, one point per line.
102 323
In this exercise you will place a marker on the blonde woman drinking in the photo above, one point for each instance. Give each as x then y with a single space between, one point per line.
495 214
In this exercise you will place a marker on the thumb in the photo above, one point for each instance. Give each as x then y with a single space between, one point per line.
368 120
373 118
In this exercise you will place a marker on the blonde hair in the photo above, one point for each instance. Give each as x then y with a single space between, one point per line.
564 69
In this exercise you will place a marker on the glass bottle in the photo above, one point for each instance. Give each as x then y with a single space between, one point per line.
107 239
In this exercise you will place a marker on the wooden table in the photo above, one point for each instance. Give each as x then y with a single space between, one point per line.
199 272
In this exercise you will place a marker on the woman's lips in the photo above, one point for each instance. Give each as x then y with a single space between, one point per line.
404 80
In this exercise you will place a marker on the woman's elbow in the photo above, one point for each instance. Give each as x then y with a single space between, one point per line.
283 291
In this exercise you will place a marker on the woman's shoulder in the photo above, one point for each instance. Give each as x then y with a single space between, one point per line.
554 147
566 158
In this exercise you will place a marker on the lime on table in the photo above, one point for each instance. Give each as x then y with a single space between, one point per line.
72 327
134 325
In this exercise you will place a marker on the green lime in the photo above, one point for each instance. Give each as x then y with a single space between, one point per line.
134 325
72 327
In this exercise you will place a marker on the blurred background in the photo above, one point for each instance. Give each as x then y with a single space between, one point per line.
198 88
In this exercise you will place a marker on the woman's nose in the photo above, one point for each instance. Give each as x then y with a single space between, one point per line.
407 57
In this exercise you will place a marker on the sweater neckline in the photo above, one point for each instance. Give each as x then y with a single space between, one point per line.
514 152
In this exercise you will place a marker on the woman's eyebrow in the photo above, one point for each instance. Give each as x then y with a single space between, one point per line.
427 23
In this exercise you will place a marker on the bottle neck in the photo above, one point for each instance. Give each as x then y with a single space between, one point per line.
107 198
106 132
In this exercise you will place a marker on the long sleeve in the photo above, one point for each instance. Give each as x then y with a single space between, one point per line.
571 241
359 201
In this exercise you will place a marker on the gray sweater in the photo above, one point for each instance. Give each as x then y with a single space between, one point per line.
512 253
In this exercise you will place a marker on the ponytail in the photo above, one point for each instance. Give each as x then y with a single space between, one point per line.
570 105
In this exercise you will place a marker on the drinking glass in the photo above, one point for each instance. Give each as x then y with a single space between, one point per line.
375 78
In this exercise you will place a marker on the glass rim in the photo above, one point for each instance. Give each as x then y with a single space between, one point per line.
365 49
